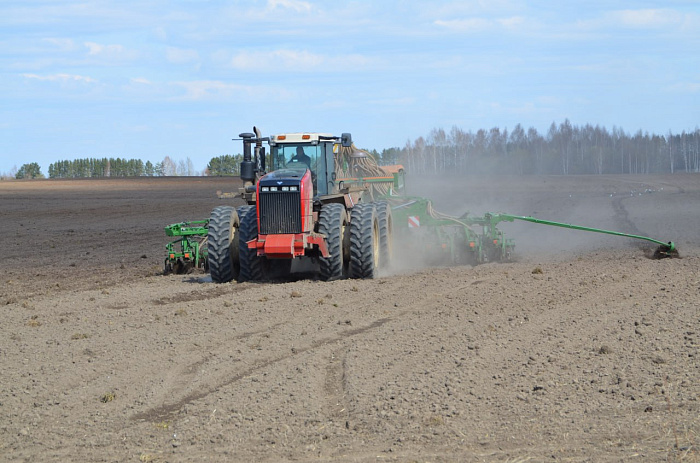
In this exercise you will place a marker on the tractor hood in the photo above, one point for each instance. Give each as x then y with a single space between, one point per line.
283 177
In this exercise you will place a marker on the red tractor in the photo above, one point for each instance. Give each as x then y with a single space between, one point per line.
316 206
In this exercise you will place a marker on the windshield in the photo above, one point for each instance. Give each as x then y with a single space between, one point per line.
290 156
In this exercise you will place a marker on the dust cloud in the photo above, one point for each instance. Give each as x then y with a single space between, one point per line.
591 201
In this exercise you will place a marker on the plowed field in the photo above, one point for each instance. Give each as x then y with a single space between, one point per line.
583 349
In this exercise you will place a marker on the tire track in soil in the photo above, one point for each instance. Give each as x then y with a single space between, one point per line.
335 386
168 410
200 295
181 379
622 216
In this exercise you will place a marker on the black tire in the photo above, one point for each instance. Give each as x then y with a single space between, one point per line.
252 266
386 234
331 222
222 244
364 241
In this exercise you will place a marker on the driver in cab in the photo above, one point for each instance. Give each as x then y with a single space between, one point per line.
302 157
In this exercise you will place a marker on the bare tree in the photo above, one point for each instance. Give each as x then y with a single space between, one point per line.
169 167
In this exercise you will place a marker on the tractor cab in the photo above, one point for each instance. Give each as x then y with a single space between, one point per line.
302 151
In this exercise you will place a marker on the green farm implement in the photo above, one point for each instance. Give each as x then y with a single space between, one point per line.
316 202
663 250
476 239
189 250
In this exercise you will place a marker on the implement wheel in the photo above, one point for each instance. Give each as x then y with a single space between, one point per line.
222 244
364 241
332 222
386 230
252 266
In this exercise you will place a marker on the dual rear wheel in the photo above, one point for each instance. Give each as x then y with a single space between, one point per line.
360 248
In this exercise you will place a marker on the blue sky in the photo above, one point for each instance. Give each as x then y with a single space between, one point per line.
182 78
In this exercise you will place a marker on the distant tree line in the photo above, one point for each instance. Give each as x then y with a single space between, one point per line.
31 170
104 167
224 166
565 149
118 167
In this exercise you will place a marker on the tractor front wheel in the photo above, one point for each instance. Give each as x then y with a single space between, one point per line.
252 266
222 244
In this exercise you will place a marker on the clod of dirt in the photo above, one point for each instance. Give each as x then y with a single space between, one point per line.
295 294
605 350
537 271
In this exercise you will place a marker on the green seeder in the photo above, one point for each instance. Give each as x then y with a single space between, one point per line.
472 239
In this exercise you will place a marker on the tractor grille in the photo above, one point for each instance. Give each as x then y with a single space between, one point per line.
280 212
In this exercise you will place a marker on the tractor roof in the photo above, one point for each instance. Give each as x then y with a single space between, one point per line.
301 137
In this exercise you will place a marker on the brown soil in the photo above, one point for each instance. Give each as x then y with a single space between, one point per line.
581 350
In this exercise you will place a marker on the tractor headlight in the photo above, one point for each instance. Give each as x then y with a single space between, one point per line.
293 188
285 188
265 188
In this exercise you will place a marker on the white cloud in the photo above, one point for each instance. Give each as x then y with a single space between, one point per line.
479 24
61 78
181 55
648 18
140 80
465 25
685 87
62 43
645 19
287 59
109 52
512 22
466 7
393 102
299 61
216 90
296 5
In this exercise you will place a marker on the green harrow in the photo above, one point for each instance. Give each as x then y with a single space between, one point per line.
192 251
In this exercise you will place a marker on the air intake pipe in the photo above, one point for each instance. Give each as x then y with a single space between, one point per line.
247 165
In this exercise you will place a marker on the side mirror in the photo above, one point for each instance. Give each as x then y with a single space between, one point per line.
346 140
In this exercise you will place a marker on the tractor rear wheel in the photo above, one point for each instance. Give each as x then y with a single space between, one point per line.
364 241
222 244
252 266
386 237
332 222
